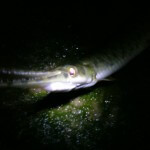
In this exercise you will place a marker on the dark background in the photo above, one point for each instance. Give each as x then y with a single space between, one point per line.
89 24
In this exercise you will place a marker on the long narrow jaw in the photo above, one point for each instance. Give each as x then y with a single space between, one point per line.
61 79
59 86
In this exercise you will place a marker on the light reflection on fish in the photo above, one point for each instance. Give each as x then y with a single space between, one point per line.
85 73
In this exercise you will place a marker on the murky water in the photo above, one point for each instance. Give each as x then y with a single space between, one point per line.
96 118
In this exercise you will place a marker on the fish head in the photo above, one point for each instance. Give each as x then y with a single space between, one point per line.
70 77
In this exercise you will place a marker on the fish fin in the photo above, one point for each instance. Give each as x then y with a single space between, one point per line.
109 79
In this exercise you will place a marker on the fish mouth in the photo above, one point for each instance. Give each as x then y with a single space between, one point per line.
66 87
60 87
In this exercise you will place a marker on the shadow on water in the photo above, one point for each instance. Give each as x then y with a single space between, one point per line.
54 100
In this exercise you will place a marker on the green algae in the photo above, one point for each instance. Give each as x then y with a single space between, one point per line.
81 123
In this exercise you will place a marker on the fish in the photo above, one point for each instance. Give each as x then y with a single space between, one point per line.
87 72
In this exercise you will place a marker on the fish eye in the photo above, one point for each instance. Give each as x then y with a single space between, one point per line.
72 71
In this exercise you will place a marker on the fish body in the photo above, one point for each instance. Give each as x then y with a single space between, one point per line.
87 72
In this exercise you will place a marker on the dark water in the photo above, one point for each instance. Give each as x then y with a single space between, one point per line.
110 115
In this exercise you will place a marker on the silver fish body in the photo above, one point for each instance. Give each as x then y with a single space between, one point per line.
87 72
